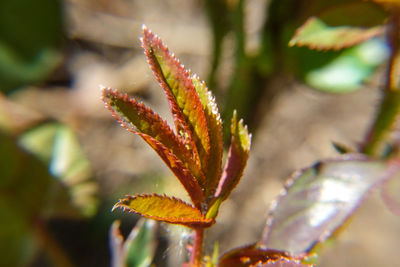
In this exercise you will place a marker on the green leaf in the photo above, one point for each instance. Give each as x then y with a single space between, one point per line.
339 72
139 247
165 209
214 124
318 200
184 101
341 26
315 34
237 159
132 114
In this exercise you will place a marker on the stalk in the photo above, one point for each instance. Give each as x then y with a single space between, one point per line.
390 103
197 249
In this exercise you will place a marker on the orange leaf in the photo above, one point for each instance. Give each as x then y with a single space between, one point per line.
214 124
165 209
185 104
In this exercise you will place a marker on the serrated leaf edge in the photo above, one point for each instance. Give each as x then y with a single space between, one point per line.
190 222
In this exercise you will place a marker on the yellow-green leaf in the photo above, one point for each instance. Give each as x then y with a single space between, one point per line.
185 104
165 209
214 124
315 34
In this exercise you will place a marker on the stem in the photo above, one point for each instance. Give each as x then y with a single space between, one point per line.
197 249
390 103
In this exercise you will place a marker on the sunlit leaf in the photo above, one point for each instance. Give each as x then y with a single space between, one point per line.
340 72
318 200
315 34
237 159
252 255
132 114
341 26
165 209
214 124
185 104
139 247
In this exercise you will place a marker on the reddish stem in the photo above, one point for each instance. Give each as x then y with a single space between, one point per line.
197 249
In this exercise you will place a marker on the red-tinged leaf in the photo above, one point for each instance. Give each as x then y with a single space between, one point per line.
214 124
165 209
136 117
315 34
178 168
252 255
318 200
237 159
185 104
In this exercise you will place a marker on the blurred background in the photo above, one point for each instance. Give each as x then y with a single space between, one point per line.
64 161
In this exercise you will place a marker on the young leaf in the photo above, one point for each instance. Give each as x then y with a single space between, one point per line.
160 137
252 255
237 159
130 113
319 199
165 209
185 104
315 34
214 124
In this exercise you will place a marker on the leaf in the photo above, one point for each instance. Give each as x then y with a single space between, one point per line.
165 209
190 184
214 124
130 113
251 255
315 34
154 131
184 101
340 27
319 199
139 247
340 72
237 159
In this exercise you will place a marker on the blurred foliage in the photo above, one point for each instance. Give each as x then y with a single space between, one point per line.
334 71
30 37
